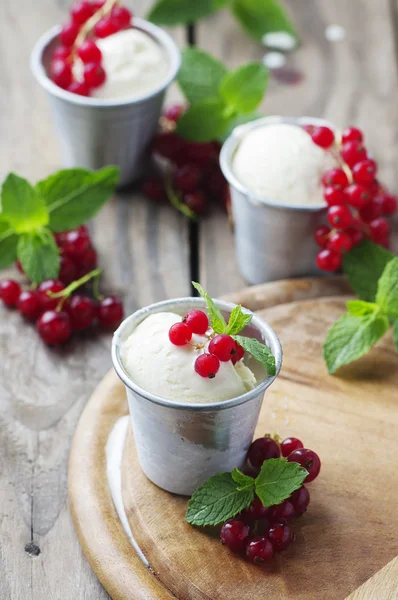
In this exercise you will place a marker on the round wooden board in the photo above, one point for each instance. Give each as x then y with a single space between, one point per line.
347 535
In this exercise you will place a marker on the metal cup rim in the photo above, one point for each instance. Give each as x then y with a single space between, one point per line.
137 317
231 143
161 36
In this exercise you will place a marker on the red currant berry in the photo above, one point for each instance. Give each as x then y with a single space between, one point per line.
49 285
222 346
371 211
168 144
75 243
336 178
87 262
199 153
89 52
259 549
54 327
280 536
255 512
105 27
110 311
94 75
353 153
180 334
61 53
340 242
321 235
81 310
357 195
282 512
173 113
379 230
234 534
197 321
154 189
239 353
215 183
307 459
365 171
323 137
29 305
339 217
352 134
81 12
68 34
290 444
327 260
300 500
387 203
207 365
262 449
121 16
61 73
67 270
78 87
196 202
186 178
9 291
334 196
356 236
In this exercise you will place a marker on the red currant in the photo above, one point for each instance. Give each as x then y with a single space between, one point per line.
197 321
110 311
290 444
87 262
222 346
49 285
327 260
215 183
379 230
81 310
186 178
323 137
180 334
29 305
234 534
365 171
340 242
262 449
307 459
61 73
339 217
68 34
207 365
197 202
94 75
336 178
352 134
173 113
199 153
334 196
239 353
300 500
89 52
259 549
280 536
356 235
282 512
255 511
154 189
105 27
78 87
121 16
81 12
168 144
321 235
54 327
353 153
9 291
75 243
387 203
357 195
61 53
371 211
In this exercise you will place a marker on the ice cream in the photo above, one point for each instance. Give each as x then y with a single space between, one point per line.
166 370
134 62
281 164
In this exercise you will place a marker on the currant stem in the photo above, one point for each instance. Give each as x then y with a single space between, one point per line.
91 23
175 200
65 293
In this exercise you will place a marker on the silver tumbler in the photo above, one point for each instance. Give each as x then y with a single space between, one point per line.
273 241
181 444
95 132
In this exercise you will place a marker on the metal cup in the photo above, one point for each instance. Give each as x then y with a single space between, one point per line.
94 132
181 444
273 241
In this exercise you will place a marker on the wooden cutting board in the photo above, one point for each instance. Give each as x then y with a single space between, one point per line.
349 532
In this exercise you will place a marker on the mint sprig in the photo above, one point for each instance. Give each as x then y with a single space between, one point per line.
225 495
364 266
259 352
217 320
200 75
238 320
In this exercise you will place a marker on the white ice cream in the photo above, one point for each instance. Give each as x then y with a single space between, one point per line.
135 64
281 164
158 366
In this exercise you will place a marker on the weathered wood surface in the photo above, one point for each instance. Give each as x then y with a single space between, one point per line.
144 249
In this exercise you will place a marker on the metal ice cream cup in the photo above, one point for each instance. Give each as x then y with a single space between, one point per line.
95 132
273 241
181 444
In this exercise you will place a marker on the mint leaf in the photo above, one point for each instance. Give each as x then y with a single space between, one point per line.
204 121
8 244
239 120
259 17
217 320
22 206
244 89
39 255
352 337
238 320
217 500
278 479
259 351
176 12
243 481
395 334
360 308
387 289
200 75
75 195
364 266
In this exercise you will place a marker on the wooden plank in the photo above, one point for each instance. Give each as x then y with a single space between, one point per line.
383 585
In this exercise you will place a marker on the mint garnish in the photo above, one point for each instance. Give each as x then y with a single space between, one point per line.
363 266
244 89
360 308
387 289
39 255
259 352
237 320
205 120
243 481
180 12
278 479
217 320
21 205
395 334
200 75
8 244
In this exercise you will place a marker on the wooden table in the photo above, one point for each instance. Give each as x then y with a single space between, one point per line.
149 253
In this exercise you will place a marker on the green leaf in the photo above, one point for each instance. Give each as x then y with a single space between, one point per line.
278 479
360 308
238 320
39 255
217 500
352 337
364 266
395 334
239 120
387 289
200 75
259 17
180 12
259 351
8 244
217 320
21 204
204 121
73 196
243 481
244 89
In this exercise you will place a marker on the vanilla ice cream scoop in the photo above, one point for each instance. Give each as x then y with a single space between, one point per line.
160 367
281 163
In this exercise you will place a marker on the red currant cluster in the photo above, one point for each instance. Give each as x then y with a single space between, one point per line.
109 19
221 347
196 177
358 203
271 522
